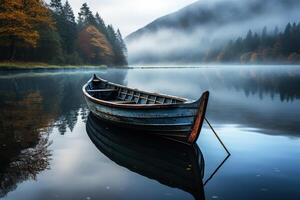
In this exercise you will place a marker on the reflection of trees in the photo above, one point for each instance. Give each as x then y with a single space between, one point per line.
283 84
25 166
261 82
30 107
24 140
265 116
62 94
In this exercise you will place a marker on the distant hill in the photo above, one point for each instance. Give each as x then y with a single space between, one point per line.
185 35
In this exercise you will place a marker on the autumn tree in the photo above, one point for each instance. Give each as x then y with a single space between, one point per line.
94 47
32 31
20 21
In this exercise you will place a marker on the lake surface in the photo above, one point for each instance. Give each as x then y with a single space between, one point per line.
46 153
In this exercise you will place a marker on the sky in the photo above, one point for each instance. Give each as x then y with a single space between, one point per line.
130 15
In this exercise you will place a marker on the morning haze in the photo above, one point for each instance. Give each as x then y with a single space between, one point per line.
206 26
150 100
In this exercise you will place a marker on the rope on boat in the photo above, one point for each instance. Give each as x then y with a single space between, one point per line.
221 164
217 136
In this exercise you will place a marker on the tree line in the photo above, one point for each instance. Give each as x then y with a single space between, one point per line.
266 47
33 31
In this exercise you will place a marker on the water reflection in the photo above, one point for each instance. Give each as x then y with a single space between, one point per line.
32 105
23 140
60 94
264 99
38 108
171 163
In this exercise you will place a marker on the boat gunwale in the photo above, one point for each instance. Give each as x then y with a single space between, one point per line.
136 106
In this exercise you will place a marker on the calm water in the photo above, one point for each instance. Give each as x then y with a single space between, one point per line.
46 153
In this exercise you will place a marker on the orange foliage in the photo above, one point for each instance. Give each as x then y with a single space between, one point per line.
255 58
94 45
20 19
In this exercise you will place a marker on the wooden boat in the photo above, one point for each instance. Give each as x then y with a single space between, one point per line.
169 116
169 162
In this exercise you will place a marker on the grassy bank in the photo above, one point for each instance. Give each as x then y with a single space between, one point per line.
34 65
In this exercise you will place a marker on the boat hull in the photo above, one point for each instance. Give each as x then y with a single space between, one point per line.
179 121
175 122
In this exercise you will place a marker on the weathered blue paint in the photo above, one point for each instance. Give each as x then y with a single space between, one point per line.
156 114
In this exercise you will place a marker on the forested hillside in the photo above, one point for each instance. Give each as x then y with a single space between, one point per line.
265 47
33 31
201 31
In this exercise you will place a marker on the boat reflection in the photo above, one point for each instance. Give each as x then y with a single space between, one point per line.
170 163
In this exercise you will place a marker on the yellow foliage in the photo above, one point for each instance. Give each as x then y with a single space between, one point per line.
20 20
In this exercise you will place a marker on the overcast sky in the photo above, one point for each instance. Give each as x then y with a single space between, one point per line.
129 15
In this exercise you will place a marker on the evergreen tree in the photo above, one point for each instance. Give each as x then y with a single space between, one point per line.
287 42
248 41
56 6
68 13
264 38
86 17
70 30
100 24
118 45
49 48
121 41
283 47
31 31
276 31
66 25
122 48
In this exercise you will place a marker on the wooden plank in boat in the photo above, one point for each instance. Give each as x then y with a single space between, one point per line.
103 90
124 102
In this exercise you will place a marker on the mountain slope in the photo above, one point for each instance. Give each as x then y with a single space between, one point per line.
184 35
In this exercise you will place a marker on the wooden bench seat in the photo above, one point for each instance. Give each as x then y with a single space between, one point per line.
103 90
124 102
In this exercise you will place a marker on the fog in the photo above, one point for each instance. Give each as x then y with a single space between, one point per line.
207 25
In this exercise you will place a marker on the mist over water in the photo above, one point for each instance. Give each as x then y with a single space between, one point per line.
207 25
46 153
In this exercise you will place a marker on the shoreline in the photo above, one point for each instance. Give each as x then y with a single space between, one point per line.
10 66
40 66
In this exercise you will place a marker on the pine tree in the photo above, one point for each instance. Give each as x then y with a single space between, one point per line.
248 41
86 17
287 42
56 6
118 46
123 49
100 24
31 31
121 41
264 38
69 33
68 13
276 31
